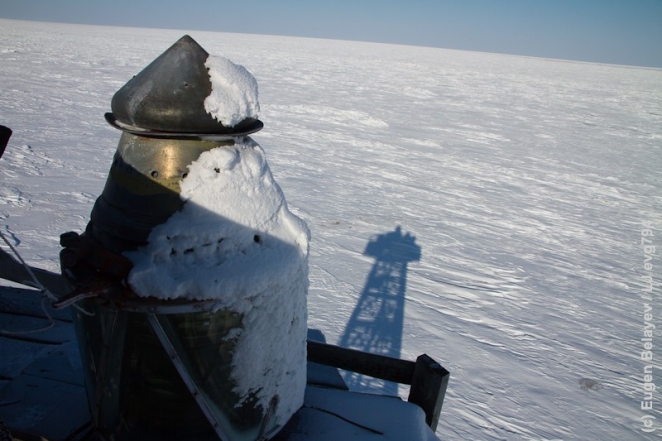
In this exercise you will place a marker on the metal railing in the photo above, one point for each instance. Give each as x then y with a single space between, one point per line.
427 378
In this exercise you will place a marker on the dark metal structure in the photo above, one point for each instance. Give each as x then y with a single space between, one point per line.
167 96
156 369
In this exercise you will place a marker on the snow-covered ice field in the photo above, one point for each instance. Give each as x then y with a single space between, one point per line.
520 187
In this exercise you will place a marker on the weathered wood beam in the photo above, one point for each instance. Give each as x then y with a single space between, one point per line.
373 365
428 388
428 379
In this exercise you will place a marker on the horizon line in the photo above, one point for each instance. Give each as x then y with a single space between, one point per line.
565 60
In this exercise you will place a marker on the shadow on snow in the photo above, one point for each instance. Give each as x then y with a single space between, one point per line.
377 321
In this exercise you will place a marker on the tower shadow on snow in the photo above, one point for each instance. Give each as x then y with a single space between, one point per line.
377 321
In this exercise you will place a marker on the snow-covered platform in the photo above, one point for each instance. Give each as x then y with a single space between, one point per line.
42 392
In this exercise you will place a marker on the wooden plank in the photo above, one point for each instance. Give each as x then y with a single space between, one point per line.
428 379
63 365
373 365
36 329
44 407
11 269
428 388
17 355
21 301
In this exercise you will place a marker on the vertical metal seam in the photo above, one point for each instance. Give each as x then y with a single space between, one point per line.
273 403
102 372
186 377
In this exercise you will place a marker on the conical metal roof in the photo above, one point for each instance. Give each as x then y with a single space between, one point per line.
167 97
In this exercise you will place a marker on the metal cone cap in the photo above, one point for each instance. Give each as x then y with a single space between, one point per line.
168 96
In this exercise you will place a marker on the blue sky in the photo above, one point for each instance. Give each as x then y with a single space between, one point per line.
605 31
